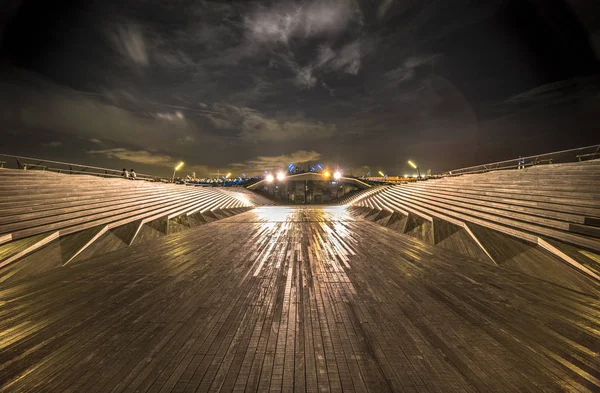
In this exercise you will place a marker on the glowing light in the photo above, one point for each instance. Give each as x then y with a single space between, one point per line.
412 164
381 173
179 166
280 176
326 174
270 178
229 174
337 175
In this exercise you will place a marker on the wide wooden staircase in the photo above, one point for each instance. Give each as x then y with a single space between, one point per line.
48 220
543 220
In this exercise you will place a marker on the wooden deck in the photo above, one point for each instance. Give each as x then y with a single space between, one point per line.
294 299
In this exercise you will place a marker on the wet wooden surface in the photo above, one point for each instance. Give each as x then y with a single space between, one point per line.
294 299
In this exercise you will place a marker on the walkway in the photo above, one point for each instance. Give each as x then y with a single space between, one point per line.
285 299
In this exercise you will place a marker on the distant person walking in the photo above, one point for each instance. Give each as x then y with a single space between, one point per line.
521 162
125 174
132 174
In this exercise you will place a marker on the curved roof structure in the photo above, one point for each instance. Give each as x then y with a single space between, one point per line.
314 176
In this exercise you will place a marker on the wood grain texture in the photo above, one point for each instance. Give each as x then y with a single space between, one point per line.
533 221
90 215
297 300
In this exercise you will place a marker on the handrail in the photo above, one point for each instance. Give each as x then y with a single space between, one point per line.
69 168
562 156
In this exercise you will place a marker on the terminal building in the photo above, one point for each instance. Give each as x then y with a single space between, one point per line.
309 188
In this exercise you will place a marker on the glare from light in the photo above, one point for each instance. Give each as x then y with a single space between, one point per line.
381 173
405 175
280 176
412 164
179 166
270 178
227 176
337 175
326 174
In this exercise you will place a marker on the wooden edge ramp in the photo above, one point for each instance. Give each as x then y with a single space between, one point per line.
45 240
563 256
87 244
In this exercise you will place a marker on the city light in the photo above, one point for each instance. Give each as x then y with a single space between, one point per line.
280 176
326 174
381 173
337 175
270 178
229 174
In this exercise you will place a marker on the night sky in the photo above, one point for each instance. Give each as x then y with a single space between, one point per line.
244 86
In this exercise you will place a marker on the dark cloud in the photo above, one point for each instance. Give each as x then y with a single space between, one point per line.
137 156
273 163
250 84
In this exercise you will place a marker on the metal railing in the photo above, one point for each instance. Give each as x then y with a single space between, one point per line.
563 156
29 163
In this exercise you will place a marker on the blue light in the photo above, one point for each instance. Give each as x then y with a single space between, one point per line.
319 166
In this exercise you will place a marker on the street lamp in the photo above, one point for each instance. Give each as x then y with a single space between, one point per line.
226 177
414 166
178 167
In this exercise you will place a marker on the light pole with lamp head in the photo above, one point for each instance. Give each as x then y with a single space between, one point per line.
414 166
178 167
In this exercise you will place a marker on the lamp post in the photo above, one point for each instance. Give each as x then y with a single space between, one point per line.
414 166
178 167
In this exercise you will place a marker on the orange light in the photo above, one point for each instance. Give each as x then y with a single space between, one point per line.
326 174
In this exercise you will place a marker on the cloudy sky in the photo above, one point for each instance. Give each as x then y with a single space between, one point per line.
244 86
